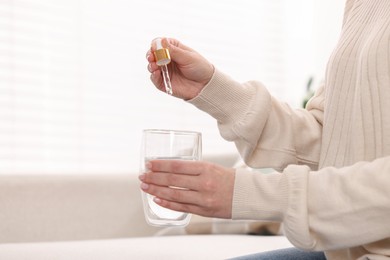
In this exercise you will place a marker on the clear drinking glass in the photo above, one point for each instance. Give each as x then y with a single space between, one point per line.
168 145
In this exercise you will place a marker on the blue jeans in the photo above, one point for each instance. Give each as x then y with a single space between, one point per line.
284 254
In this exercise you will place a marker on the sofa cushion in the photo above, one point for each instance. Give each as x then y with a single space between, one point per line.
43 207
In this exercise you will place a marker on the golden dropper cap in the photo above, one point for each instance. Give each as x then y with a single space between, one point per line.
162 57
161 54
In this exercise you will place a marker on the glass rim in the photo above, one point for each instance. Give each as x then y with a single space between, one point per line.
170 131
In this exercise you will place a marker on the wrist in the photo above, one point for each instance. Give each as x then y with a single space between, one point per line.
209 74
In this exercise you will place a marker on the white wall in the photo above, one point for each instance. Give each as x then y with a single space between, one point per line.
313 28
75 93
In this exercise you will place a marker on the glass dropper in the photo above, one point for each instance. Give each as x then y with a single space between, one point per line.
162 60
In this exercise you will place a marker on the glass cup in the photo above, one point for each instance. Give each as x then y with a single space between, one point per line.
168 145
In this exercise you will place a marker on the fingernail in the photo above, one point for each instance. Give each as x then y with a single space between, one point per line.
144 186
141 177
157 200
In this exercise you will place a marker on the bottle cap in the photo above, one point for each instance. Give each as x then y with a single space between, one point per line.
161 54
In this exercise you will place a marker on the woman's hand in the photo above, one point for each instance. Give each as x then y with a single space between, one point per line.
195 187
189 71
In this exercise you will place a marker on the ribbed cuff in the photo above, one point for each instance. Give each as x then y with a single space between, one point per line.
260 196
223 98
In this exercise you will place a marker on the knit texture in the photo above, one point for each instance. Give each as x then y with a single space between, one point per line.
333 193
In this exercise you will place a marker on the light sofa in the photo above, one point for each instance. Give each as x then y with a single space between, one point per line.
101 217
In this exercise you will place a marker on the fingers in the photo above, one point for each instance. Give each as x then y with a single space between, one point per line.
170 179
149 55
189 71
173 173
179 166
177 173
194 204
171 42
154 69
190 208
179 53
155 73
177 195
190 186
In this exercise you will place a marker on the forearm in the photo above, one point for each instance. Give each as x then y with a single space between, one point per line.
267 133
321 210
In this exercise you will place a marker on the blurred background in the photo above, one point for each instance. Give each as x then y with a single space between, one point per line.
75 93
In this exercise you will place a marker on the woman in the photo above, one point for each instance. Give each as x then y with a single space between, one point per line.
331 182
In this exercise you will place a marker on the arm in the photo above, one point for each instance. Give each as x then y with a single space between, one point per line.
268 133
321 210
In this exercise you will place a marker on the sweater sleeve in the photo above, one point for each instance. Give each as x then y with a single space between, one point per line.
267 133
321 210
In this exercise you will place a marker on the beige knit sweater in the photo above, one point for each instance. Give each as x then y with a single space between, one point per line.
332 188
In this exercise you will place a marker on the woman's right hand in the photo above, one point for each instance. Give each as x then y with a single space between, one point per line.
188 70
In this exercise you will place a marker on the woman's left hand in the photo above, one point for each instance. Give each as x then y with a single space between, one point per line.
197 187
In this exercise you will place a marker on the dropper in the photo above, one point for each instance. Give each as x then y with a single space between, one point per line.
163 59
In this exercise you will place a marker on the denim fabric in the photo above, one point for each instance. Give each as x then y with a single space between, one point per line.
284 254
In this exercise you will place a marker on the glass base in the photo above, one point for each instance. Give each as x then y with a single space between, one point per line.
158 216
